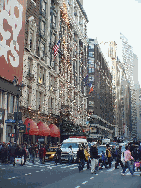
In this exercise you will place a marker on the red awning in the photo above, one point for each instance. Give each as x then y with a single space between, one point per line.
33 127
54 131
44 130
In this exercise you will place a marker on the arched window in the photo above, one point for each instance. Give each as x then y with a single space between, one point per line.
32 35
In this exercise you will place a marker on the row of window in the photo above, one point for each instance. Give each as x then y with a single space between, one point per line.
8 102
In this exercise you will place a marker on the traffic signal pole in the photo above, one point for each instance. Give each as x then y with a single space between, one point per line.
17 120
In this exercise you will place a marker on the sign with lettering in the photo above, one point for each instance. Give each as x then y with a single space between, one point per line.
12 32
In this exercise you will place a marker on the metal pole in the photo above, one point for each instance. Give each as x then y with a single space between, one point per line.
16 134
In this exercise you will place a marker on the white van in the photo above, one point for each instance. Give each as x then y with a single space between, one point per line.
74 142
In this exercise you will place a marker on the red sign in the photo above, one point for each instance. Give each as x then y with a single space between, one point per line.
12 31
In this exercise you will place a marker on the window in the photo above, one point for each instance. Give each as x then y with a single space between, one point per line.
91 54
91 78
42 28
42 50
91 103
43 7
11 104
31 44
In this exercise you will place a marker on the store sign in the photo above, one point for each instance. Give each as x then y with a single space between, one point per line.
22 128
12 30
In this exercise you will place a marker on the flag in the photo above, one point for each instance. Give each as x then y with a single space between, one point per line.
55 48
91 89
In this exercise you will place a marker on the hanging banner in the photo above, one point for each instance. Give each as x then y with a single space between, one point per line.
12 32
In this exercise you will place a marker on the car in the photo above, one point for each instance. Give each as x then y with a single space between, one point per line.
50 153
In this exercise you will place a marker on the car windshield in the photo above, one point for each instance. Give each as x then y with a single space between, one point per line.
66 145
101 148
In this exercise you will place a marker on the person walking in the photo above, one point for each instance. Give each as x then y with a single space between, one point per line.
109 155
70 155
41 154
94 158
81 158
103 158
113 152
127 159
87 156
33 153
58 155
118 158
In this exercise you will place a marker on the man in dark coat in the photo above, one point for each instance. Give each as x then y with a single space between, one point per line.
58 155
81 158
118 158
94 158
12 154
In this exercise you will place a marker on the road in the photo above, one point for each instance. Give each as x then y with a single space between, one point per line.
49 175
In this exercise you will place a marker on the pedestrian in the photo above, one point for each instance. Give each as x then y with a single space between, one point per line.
103 158
127 159
24 153
94 158
4 153
58 155
81 158
41 154
109 155
12 154
33 153
118 158
70 155
87 156
113 152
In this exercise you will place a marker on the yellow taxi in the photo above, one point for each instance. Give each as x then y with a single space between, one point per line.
50 153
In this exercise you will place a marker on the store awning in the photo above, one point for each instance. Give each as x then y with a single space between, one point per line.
33 127
54 131
44 130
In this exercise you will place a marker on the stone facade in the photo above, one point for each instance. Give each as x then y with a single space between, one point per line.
55 85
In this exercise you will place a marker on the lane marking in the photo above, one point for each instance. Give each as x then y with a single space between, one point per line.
84 182
29 173
26 174
9 178
41 170
77 187
37 171
13 177
3 168
92 178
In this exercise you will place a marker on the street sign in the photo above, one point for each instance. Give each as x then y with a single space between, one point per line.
10 121
40 140
22 128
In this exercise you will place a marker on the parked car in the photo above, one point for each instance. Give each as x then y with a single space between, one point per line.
50 153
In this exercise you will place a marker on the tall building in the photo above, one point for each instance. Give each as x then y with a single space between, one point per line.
54 85
12 26
99 105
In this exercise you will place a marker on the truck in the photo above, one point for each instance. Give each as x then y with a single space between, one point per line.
74 142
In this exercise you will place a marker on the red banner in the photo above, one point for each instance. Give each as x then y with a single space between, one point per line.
12 32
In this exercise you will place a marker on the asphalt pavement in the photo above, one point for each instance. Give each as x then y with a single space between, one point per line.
49 175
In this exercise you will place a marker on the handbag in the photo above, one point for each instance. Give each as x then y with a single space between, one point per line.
19 160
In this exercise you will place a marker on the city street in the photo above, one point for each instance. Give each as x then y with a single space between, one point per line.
49 175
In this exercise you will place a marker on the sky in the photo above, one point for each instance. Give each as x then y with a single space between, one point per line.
109 18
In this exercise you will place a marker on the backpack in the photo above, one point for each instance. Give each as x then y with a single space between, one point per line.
109 154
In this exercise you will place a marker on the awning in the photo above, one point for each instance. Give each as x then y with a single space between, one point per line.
54 131
33 127
44 130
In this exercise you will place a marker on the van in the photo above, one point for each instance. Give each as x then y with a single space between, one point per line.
74 142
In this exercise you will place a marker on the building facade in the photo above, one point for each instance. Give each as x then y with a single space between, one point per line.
54 85
100 103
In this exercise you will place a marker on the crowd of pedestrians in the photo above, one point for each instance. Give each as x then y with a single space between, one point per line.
94 160
10 151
